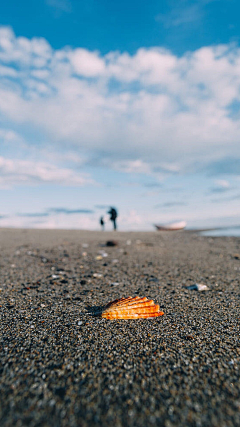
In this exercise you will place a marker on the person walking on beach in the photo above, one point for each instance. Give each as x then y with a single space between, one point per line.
113 217
102 222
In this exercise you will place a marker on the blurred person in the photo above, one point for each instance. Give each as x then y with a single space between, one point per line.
113 217
102 223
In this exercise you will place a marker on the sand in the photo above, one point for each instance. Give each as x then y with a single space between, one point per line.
61 366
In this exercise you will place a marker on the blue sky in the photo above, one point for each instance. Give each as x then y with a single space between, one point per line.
179 25
113 103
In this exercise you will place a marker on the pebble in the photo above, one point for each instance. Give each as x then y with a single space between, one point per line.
103 253
198 287
111 243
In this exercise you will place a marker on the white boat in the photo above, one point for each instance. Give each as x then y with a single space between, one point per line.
172 226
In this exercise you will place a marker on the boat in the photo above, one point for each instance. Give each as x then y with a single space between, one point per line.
174 226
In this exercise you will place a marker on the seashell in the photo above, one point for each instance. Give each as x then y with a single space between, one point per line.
131 308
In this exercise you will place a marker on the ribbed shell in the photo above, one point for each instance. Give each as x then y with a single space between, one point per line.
131 308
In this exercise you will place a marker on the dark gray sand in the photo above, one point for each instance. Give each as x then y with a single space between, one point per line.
60 366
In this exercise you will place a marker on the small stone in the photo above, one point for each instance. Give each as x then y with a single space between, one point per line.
189 337
111 243
103 253
198 287
52 402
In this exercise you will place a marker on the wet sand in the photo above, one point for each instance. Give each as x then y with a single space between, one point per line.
60 366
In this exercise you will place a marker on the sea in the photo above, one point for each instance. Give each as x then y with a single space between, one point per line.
223 231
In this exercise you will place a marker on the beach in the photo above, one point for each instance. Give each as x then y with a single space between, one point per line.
62 366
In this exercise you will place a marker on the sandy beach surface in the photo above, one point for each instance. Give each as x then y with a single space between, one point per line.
61 366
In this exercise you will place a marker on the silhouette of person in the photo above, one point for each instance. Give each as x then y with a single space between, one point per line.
113 217
102 222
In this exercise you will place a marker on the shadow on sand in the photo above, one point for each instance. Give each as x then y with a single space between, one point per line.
94 310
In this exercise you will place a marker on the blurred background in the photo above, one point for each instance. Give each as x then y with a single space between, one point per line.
119 104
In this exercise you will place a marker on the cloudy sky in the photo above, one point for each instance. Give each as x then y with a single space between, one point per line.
134 105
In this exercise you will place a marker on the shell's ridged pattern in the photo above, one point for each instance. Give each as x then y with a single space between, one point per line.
131 308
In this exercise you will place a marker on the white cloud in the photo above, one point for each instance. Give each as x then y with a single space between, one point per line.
62 5
8 136
86 63
25 172
222 183
23 52
7 71
134 166
184 13
151 108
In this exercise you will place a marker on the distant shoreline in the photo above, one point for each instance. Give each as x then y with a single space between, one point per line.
200 230
107 232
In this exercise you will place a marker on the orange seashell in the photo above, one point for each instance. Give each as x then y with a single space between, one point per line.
131 308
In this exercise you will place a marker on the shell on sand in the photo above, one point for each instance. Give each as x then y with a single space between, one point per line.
131 308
